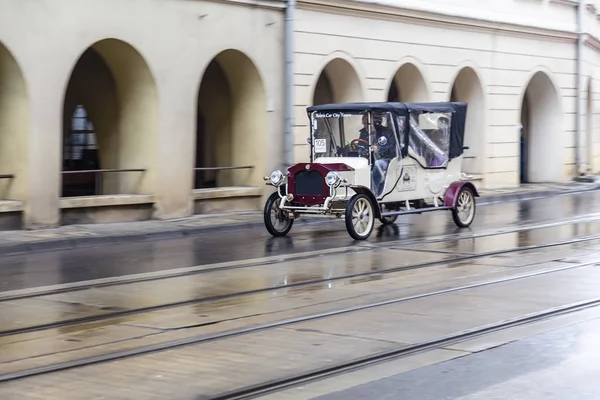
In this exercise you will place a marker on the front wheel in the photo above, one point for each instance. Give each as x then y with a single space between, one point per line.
360 217
463 213
277 222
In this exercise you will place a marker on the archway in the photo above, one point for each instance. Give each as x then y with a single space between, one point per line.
14 127
231 123
468 88
338 83
110 120
541 137
589 130
408 85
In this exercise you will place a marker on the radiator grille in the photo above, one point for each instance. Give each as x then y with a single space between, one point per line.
308 183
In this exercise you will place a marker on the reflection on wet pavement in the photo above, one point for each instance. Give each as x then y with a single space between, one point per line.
232 362
284 290
96 301
19 314
49 309
40 269
262 308
515 239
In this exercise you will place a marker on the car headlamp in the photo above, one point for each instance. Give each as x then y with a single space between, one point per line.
332 179
276 178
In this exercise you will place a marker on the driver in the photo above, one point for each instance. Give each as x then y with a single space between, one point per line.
378 131
383 153
364 132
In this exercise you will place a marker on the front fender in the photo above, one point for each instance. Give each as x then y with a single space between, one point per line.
367 192
283 190
451 194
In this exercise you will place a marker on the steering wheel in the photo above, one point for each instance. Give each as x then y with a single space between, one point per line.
353 143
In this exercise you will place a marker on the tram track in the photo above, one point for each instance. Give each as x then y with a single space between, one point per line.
281 384
306 283
266 387
28 293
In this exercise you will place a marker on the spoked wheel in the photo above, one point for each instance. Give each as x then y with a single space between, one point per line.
387 220
277 222
464 212
360 217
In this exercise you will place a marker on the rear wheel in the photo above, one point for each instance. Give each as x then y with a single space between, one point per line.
463 213
360 217
277 221
387 220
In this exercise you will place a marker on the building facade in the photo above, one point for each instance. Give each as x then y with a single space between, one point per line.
118 110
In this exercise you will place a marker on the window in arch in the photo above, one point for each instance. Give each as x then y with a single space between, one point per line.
80 147
80 153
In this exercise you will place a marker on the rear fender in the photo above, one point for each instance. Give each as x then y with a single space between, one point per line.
367 192
451 195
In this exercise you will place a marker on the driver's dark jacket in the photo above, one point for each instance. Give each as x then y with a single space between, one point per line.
387 151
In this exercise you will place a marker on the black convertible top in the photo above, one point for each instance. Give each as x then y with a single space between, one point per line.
453 107
458 110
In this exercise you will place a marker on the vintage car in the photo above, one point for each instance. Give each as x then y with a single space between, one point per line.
376 160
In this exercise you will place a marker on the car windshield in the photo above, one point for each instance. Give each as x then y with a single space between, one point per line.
334 131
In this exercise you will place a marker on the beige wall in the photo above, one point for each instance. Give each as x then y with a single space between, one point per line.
157 54
14 127
425 57
590 134
143 96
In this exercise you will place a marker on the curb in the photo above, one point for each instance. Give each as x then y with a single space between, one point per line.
182 232
168 233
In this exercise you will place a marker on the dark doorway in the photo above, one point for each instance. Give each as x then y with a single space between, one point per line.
523 141
393 94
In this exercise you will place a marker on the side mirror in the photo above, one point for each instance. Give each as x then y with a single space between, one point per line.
309 140
382 141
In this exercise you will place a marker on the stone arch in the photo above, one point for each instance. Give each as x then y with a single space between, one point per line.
113 89
590 136
468 87
541 138
408 84
231 122
14 127
338 82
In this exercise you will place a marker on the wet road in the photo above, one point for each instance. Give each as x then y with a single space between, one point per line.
40 269
208 368
403 293
243 285
557 365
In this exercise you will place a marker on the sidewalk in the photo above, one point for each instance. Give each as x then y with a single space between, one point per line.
65 237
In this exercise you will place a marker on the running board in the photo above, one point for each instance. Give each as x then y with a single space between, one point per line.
415 211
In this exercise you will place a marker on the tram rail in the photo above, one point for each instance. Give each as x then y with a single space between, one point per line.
279 384
142 310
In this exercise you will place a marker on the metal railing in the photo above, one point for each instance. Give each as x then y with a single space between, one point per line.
218 169
98 174
223 168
